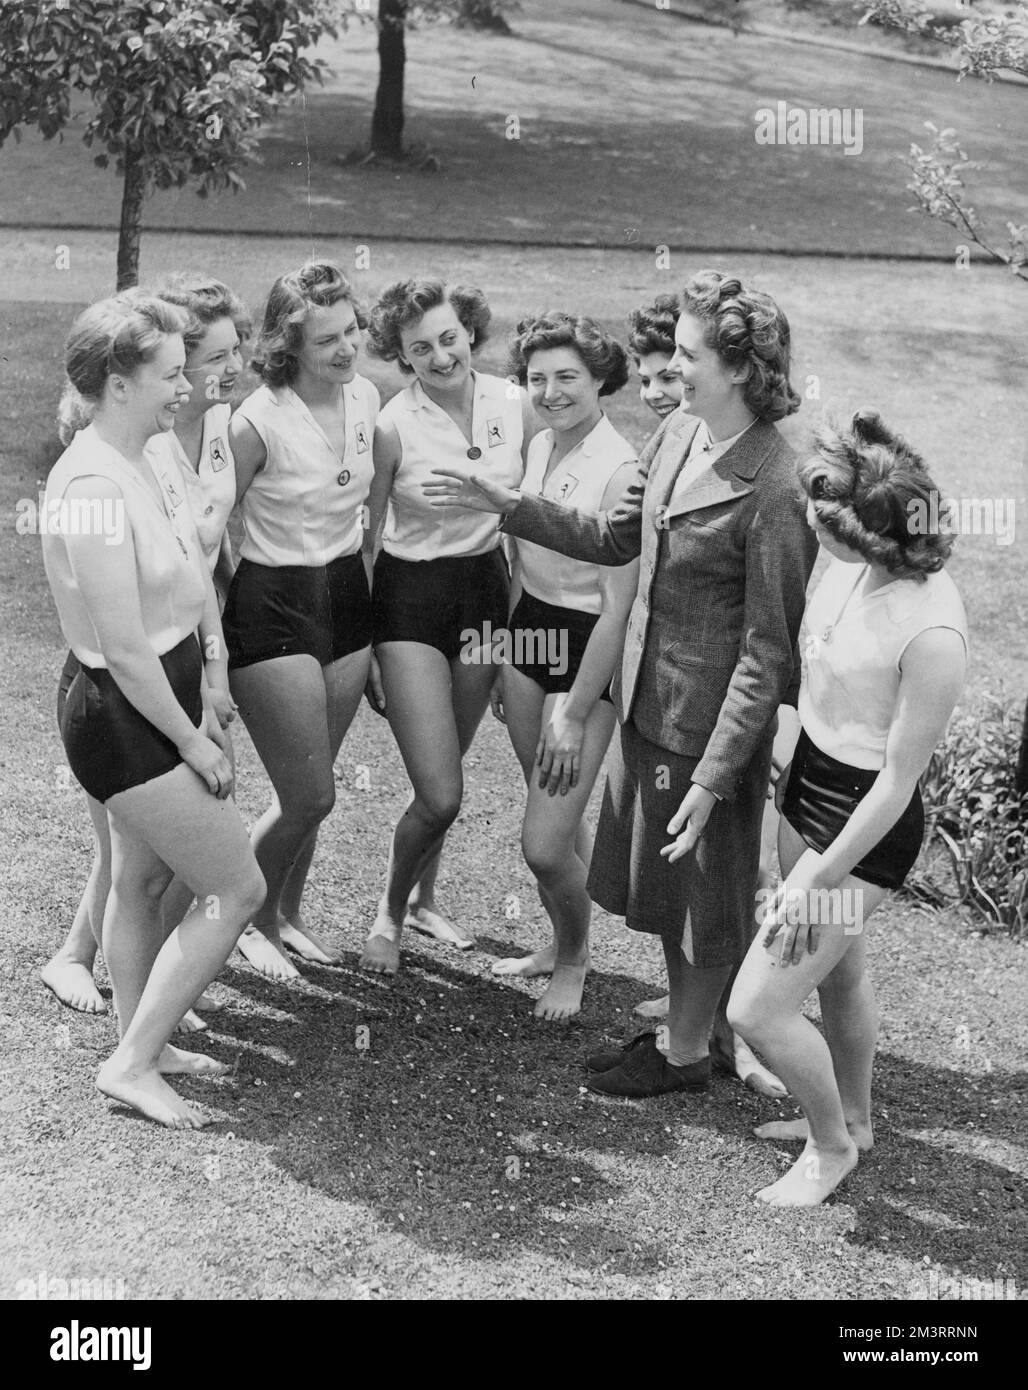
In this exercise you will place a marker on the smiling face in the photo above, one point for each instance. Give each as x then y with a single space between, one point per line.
215 364
710 388
438 349
563 392
156 389
659 386
331 342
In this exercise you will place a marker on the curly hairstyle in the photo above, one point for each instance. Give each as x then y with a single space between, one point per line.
601 354
205 301
316 285
113 337
652 327
746 327
867 484
406 302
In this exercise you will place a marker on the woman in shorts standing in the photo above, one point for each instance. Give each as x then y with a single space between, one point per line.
884 644
137 605
215 323
298 615
441 585
560 716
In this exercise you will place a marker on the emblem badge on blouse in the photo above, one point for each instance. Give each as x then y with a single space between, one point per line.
494 433
361 435
219 459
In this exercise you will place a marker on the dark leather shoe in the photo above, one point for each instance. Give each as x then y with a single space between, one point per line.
647 1072
605 1061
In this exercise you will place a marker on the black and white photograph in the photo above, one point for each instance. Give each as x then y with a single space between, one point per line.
514 688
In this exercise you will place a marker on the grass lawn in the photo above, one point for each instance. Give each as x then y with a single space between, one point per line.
455 1155
634 128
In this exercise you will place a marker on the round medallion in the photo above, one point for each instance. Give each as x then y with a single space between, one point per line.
474 452
344 477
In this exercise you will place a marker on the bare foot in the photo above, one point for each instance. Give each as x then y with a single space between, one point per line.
208 1003
150 1094
381 954
73 985
813 1177
266 957
562 998
861 1134
190 1023
299 938
755 1075
653 1008
173 1061
526 967
430 923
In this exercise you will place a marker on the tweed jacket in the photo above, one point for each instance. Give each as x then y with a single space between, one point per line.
710 649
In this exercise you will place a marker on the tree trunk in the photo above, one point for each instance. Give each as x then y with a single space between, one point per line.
1021 780
387 121
132 196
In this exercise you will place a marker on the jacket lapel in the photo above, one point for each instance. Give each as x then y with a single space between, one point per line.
729 477
667 472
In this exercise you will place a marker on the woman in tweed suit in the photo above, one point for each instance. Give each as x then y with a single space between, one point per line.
710 652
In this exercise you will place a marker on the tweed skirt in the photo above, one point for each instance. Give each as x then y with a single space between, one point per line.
706 902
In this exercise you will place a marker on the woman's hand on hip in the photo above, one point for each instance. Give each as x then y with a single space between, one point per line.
689 822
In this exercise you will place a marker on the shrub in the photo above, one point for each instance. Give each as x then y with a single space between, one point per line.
975 813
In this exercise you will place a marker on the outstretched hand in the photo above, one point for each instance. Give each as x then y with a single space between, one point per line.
470 491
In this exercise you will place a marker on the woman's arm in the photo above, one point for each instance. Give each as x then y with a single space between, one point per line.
610 537
215 659
780 554
249 452
932 674
106 577
931 678
387 452
225 568
558 755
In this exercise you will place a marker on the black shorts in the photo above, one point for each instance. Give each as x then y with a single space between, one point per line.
110 746
322 611
547 643
437 602
822 795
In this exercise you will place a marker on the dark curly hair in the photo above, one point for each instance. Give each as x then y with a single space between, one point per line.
867 484
652 327
746 328
406 302
316 285
602 355
205 301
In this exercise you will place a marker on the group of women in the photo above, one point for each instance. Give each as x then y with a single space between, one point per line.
402 550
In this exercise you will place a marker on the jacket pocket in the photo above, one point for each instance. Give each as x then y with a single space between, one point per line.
696 677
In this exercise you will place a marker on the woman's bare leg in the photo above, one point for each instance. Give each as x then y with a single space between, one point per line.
434 708
344 688
169 825
69 973
284 705
765 1008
